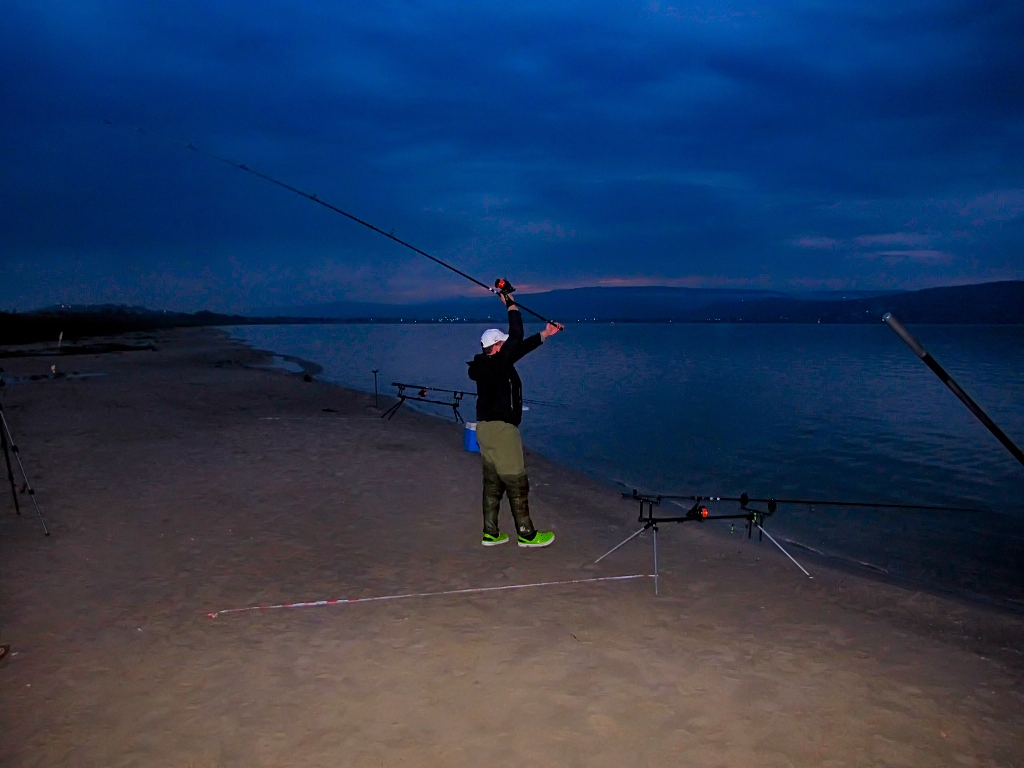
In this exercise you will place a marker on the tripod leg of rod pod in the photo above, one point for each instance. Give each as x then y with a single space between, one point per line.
393 409
21 466
621 543
10 472
655 560
773 541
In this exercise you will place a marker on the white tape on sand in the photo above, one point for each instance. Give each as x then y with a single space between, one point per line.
348 600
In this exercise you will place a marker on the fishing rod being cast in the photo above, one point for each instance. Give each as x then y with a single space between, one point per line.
499 390
500 288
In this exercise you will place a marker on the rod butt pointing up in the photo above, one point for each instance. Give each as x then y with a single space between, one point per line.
901 331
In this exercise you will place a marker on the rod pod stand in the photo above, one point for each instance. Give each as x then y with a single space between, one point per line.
8 443
422 394
10 471
697 513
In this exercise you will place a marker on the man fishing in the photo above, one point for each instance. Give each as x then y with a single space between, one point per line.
499 411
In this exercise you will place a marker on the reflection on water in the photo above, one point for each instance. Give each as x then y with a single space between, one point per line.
810 411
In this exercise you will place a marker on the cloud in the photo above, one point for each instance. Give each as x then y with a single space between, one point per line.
816 242
922 256
822 284
545 228
690 281
1000 205
674 140
894 238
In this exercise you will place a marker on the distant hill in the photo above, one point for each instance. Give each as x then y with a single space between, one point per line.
637 304
46 325
987 303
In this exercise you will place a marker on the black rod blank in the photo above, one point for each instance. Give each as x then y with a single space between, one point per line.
346 214
744 500
946 379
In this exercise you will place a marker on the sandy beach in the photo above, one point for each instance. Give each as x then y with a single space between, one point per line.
197 478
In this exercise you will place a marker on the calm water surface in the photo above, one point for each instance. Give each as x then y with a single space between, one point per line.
810 411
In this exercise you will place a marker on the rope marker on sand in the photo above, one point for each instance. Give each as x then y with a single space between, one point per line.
346 600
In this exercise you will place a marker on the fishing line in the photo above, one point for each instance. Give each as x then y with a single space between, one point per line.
501 287
755 517
773 541
472 590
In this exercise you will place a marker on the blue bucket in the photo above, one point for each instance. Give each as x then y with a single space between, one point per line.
469 438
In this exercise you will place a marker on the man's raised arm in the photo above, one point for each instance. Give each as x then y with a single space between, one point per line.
515 324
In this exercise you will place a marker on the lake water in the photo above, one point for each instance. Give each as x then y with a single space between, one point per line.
808 411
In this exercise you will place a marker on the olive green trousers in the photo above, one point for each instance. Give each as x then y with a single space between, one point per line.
501 446
504 470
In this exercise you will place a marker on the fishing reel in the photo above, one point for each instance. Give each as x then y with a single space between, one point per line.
504 287
697 512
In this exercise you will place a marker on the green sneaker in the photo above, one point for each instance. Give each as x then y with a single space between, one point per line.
493 541
540 539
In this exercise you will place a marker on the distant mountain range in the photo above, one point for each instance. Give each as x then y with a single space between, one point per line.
998 303
647 304
984 304
987 303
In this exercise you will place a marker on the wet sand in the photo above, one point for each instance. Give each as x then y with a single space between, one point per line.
194 478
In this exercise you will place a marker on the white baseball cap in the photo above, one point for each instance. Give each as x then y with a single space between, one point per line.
491 337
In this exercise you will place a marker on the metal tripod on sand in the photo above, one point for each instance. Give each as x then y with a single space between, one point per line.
9 447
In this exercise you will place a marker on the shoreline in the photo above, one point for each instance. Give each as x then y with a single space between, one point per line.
837 566
834 561
191 480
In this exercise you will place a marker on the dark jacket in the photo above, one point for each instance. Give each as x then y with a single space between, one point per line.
499 392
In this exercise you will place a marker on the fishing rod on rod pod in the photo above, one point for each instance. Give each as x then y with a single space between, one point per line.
697 513
452 398
755 518
744 499
502 287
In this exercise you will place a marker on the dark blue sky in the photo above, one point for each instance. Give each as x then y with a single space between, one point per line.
788 145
